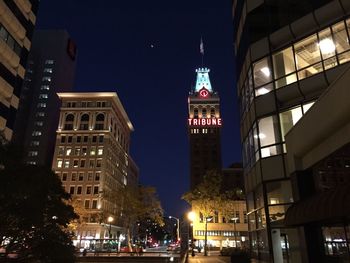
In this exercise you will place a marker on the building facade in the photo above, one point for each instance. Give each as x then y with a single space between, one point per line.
92 159
17 20
50 69
287 54
319 166
204 123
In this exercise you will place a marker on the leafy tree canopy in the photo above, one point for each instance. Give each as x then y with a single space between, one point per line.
34 214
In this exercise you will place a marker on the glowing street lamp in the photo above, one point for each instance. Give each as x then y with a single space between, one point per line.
178 226
110 219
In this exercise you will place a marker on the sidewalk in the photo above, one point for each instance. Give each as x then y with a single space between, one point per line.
213 257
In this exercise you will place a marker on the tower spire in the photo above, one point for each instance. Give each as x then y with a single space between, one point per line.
201 50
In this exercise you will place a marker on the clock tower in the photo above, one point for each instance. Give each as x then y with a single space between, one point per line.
204 124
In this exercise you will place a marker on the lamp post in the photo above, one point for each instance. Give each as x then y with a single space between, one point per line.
206 235
110 219
234 228
178 226
191 217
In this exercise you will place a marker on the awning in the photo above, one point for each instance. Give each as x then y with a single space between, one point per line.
331 205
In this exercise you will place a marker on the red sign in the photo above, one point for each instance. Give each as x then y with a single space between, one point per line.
205 122
204 93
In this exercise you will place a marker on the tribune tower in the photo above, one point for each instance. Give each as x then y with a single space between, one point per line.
204 124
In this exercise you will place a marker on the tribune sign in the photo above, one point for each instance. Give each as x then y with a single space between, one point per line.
217 122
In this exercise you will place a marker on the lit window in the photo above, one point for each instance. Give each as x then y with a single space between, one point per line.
307 106
268 135
32 153
46 79
262 72
100 151
283 65
93 151
68 151
59 163
77 151
48 70
43 96
41 105
45 87
66 163
40 114
75 163
36 133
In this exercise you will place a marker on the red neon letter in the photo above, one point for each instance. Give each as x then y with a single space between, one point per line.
219 121
190 122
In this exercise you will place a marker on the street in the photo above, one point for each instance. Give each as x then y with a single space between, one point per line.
213 257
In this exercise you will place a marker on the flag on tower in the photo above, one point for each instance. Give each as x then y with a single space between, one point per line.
201 47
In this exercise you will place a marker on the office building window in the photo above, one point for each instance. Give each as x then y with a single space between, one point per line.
9 40
268 136
36 133
41 105
95 190
32 153
39 123
77 151
91 163
43 96
47 70
84 122
63 138
66 163
74 177
49 62
283 65
100 118
45 87
84 150
82 163
85 138
88 190
100 151
75 163
94 204
68 151
262 72
81 177
87 204
100 138
93 150
79 190
90 176
97 176
64 176
70 138
46 79
288 119
59 163
98 163
71 190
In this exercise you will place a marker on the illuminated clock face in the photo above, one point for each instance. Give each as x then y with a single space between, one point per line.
204 93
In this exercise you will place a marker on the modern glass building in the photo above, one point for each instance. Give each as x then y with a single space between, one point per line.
287 54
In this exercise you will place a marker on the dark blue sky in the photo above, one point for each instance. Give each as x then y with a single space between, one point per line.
114 39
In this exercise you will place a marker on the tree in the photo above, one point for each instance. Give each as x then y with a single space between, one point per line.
209 197
34 214
138 203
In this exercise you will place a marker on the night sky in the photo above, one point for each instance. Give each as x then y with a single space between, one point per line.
147 51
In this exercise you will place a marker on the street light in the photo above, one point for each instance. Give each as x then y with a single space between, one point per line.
110 220
191 217
234 228
207 218
178 226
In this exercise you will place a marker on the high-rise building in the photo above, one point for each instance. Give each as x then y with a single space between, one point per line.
17 20
204 123
50 69
92 159
287 54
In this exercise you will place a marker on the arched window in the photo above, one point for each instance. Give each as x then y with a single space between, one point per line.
195 112
204 113
69 121
84 121
212 112
100 119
